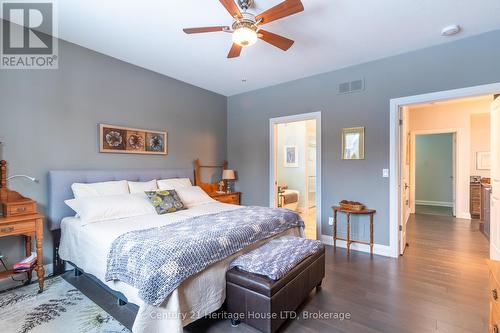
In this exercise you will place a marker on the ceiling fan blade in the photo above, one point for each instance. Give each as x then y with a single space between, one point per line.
284 9
231 7
235 51
204 29
276 40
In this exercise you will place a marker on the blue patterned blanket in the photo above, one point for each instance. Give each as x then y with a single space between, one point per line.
277 257
157 260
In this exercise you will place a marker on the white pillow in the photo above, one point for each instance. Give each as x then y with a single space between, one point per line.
141 187
173 183
99 189
73 204
193 196
110 207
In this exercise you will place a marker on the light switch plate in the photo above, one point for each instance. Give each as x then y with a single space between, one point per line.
330 221
385 173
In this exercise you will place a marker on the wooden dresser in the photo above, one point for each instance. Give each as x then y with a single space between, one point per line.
230 198
494 322
19 217
475 200
28 226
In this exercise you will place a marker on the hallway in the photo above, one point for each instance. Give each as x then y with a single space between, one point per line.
448 257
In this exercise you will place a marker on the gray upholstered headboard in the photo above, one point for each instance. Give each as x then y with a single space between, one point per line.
60 185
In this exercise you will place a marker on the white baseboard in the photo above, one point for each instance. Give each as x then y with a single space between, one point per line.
434 203
381 250
465 216
9 283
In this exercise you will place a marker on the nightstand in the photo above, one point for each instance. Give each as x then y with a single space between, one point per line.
229 198
28 226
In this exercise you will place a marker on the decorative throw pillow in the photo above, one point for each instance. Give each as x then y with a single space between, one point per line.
166 201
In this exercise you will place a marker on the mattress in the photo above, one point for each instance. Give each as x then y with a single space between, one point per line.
201 294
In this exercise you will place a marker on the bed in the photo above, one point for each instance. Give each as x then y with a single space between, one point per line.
87 247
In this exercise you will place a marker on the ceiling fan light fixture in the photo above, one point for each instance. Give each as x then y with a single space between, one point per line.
245 36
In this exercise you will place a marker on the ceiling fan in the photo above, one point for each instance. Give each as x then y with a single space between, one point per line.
246 27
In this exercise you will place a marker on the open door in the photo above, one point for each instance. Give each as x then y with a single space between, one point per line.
495 180
295 168
454 175
405 172
275 166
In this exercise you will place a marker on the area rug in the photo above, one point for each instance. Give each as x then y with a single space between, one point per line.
60 308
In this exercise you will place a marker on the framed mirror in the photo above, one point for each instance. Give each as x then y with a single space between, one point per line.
353 143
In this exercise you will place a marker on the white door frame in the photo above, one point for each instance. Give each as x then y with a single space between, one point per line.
456 166
395 146
272 171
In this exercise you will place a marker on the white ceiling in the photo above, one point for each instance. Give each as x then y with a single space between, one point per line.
329 34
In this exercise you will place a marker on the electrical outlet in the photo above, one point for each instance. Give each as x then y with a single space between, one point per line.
330 221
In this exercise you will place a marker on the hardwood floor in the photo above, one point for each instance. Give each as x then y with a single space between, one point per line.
309 218
439 285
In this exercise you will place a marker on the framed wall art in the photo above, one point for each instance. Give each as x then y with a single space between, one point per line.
291 158
353 143
483 160
126 140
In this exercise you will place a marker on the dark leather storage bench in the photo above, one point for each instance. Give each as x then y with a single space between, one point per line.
263 303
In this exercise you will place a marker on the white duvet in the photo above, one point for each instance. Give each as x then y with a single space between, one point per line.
88 246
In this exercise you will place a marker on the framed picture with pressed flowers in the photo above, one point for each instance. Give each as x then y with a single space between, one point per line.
127 140
353 143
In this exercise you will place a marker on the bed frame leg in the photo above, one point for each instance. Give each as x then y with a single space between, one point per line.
235 322
78 272
121 302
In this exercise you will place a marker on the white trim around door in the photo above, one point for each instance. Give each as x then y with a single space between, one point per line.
395 147
272 163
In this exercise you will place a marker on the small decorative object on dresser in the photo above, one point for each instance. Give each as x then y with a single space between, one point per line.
213 189
351 205
352 209
21 219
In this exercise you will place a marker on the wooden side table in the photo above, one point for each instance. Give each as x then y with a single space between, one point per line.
348 213
28 226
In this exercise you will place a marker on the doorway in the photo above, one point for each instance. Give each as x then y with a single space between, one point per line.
433 169
401 139
295 165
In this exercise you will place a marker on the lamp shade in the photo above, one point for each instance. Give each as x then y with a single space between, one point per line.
228 175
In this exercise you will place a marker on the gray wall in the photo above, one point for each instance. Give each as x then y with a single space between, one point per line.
458 64
48 120
434 167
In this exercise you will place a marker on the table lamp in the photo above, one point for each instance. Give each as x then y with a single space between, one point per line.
228 176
